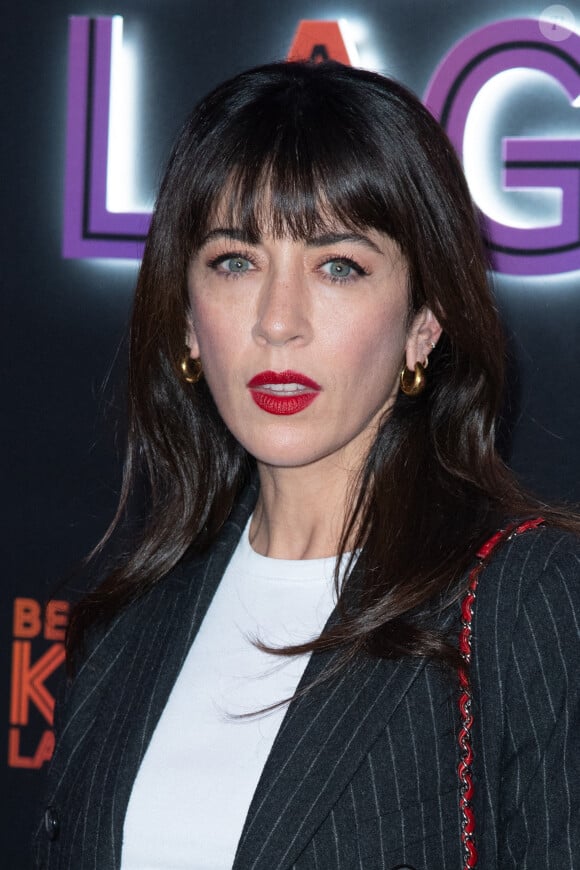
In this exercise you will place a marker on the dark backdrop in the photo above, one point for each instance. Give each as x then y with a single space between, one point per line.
63 320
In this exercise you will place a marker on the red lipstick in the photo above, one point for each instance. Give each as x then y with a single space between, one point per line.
283 393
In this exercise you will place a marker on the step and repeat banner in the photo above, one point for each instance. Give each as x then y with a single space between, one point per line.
93 95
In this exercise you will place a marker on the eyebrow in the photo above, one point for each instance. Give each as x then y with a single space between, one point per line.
229 233
240 235
336 238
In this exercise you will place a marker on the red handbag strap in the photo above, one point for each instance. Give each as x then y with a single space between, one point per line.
464 770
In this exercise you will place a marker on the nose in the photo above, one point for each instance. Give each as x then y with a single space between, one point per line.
283 308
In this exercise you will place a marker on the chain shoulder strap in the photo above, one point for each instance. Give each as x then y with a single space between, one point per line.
464 769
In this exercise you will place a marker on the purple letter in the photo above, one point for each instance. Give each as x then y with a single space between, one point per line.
529 162
90 230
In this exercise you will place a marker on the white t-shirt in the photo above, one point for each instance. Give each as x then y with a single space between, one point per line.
197 779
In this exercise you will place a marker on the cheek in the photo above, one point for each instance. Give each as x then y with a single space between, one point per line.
375 346
215 330
222 345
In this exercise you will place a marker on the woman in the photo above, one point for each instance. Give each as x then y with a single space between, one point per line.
269 678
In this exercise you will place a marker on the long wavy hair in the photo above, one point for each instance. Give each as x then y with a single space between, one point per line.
328 143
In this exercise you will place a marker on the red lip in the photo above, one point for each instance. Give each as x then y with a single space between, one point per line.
283 404
286 377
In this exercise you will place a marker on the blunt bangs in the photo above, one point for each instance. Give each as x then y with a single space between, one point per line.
295 154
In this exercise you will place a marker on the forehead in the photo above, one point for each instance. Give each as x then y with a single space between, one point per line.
285 196
371 239
265 212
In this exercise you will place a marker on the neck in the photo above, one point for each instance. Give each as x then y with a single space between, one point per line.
300 512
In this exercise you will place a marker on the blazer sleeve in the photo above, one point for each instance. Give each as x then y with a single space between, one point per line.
539 800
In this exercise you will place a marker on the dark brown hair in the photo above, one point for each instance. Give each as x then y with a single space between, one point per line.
328 142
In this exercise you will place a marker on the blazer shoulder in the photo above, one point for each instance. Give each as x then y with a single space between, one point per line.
545 556
526 698
528 596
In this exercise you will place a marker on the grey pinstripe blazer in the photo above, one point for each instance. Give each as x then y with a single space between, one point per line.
363 771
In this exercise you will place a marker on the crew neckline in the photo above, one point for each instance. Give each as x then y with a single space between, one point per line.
301 569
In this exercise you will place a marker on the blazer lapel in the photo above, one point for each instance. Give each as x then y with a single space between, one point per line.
323 739
185 597
139 659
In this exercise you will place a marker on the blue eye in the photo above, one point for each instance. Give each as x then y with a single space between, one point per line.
342 269
339 269
236 265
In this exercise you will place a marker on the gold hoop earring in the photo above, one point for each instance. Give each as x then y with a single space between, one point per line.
413 382
191 369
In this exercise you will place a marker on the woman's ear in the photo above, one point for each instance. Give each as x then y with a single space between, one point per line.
191 339
423 335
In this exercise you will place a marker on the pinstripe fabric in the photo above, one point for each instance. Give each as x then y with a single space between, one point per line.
363 771
527 686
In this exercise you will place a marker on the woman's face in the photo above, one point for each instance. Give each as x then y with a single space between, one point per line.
302 342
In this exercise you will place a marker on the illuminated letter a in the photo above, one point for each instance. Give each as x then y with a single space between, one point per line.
319 40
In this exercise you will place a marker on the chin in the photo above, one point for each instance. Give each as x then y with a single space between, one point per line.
285 452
